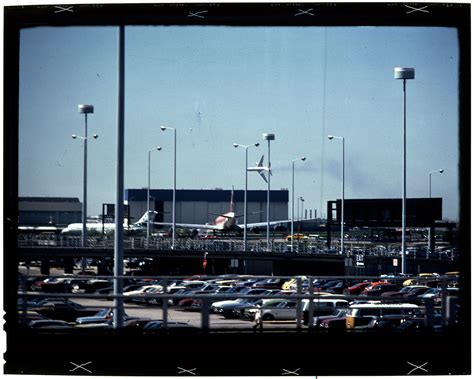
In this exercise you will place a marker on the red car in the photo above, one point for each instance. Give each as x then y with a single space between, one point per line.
356 289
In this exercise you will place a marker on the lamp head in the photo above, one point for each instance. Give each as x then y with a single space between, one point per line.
303 158
330 137
95 136
441 171
158 148
163 127
86 108
268 136
404 73
74 136
257 144
235 144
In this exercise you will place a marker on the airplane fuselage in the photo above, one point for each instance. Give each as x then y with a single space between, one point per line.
226 222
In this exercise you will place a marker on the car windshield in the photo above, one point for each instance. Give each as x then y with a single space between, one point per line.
102 313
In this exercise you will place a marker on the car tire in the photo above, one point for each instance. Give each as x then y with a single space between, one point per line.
268 317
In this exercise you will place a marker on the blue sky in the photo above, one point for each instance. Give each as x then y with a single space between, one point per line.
220 85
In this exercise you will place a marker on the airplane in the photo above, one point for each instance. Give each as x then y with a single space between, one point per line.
227 221
96 228
260 168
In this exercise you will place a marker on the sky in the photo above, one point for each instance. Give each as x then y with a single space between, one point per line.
223 85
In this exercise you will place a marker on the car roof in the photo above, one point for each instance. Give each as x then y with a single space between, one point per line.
379 305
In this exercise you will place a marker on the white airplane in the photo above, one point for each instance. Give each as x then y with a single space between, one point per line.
260 168
95 228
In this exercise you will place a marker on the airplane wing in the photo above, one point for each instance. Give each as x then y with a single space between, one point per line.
189 226
259 224
264 223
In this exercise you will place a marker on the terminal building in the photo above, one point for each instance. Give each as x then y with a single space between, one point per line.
200 206
40 211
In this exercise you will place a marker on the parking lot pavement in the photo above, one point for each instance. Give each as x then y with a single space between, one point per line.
192 318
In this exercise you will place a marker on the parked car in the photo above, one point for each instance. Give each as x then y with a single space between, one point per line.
379 289
387 322
360 315
339 287
272 283
403 291
356 289
321 307
103 315
173 326
337 323
275 309
49 324
67 311
140 295
337 313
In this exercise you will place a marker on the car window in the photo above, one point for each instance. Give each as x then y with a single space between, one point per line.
369 312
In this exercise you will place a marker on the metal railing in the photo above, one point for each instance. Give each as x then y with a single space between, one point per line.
304 290
217 245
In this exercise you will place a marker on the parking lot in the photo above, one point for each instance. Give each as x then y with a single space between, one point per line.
191 317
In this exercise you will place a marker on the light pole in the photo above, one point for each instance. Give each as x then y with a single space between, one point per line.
433 172
429 229
268 137
158 148
163 128
300 215
85 109
293 197
404 73
246 147
342 190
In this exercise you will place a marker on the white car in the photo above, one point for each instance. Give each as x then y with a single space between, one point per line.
276 309
140 294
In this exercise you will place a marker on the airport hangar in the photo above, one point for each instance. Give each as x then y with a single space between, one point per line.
42 211
201 206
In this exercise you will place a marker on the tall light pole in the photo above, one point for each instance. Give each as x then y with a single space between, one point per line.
293 197
433 172
405 74
158 148
163 128
85 109
429 229
300 215
268 137
246 147
342 190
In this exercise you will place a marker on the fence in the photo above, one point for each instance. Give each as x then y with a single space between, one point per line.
218 245
304 289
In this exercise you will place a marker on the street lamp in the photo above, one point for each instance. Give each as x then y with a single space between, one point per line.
433 172
85 109
236 145
268 137
163 128
342 200
293 196
158 148
405 74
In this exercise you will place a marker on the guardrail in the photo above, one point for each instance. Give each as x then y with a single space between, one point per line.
302 291
217 245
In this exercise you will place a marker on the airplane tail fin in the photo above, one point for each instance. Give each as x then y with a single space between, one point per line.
144 218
